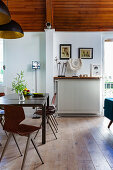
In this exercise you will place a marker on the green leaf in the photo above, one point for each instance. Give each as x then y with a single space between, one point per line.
19 84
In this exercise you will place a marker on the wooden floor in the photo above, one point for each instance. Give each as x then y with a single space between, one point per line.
84 143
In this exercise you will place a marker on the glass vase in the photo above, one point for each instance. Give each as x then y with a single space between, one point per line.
21 97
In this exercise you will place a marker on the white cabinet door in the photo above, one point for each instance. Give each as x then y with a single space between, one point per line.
79 96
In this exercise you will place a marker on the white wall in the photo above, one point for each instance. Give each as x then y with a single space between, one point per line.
79 40
18 55
44 47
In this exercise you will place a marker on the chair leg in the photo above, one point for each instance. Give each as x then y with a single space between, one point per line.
110 123
17 145
6 144
55 119
50 118
37 132
25 153
1 123
4 131
37 150
51 127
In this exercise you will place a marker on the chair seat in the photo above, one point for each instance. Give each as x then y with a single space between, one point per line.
24 130
39 112
50 107
50 110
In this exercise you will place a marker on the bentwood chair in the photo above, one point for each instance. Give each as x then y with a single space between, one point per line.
50 116
13 117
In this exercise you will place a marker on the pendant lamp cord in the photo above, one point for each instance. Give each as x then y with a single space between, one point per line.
7 3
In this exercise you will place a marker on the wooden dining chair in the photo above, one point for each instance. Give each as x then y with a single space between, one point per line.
2 112
1 108
50 116
2 122
2 94
13 117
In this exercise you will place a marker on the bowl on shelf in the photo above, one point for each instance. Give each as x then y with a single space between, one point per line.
38 94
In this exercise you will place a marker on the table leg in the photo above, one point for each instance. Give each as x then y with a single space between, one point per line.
110 123
44 124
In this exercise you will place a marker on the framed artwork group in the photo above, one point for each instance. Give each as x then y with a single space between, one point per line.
83 53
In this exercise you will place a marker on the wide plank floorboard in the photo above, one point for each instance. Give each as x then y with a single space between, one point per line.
84 143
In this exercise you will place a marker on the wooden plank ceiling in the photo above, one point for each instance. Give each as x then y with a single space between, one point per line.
83 15
30 14
66 15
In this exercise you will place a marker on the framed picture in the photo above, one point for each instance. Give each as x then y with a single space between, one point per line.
86 53
65 51
95 70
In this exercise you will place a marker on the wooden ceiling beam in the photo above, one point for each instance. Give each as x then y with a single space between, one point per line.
49 12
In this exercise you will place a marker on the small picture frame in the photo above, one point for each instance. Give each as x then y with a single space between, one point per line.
85 53
65 51
95 70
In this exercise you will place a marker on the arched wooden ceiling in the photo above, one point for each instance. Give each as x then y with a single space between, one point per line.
65 15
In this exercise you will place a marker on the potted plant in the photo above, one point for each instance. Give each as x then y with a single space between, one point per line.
19 85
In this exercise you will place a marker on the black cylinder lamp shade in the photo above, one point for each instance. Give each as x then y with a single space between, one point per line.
4 14
12 30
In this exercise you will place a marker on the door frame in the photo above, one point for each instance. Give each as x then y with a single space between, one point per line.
104 37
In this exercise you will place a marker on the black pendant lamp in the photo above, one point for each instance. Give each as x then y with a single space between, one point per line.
12 30
4 14
9 29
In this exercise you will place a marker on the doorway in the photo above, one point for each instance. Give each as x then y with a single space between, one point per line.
108 68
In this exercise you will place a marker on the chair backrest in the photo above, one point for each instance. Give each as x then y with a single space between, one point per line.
2 94
13 116
54 100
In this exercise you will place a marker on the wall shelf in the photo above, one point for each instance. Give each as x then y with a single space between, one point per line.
55 78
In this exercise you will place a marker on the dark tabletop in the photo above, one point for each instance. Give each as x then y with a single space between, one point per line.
12 99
